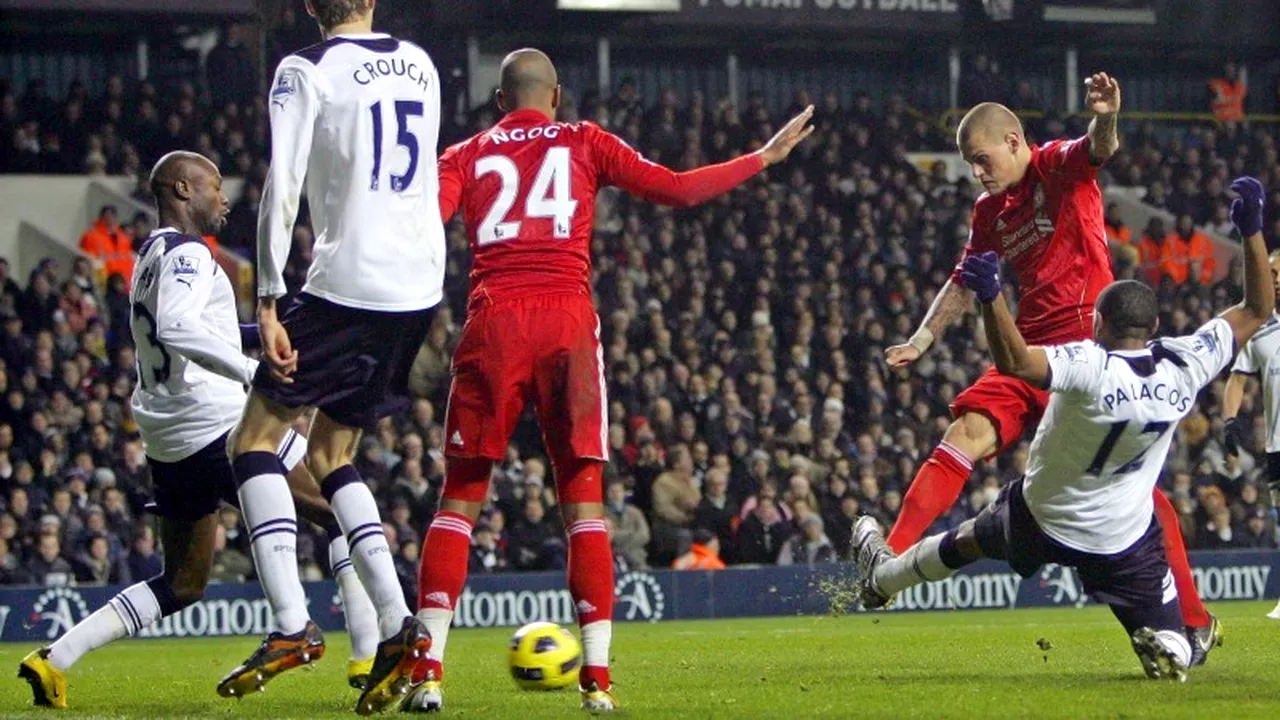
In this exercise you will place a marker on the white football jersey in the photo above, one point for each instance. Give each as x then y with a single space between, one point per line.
191 371
1102 443
1261 357
355 120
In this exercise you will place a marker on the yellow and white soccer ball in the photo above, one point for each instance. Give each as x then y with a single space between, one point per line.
544 656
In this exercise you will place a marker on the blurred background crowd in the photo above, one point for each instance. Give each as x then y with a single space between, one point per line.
752 416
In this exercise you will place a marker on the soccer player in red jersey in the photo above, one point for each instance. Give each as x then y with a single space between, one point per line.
1042 212
527 190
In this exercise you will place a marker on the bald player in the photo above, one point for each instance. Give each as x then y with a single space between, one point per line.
190 391
1042 212
527 189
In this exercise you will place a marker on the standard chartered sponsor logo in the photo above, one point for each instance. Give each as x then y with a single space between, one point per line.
1232 582
988 590
511 607
209 618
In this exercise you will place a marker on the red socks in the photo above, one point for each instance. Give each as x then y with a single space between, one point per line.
591 586
932 493
442 570
1194 613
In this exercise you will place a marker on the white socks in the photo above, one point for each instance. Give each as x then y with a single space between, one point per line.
920 563
125 614
595 643
357 514
273 536
437 621
362 619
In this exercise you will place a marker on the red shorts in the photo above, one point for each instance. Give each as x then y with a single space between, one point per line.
544 349
1012 405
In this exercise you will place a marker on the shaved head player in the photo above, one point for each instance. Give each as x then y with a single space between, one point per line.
527 190
1042 213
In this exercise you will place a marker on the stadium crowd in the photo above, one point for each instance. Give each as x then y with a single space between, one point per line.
752 415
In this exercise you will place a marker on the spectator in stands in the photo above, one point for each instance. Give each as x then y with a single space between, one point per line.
533 543
981 82
10 292
762 534
48 568
109 244
1227 94
703 553
95 566
675 500
12 570
229 564
1257 533
487 555
630 528
810 546
1187 254
717 511
144 561
1151 251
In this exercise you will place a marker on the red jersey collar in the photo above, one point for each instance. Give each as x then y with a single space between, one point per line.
524 115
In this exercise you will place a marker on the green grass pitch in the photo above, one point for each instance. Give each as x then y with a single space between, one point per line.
983 664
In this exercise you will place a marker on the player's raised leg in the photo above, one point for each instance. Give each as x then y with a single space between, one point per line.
188 556
942 477
362 618
269 514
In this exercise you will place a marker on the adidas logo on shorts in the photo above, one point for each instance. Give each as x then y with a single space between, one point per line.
456 439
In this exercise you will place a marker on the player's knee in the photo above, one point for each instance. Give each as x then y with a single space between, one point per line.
174 594
575 511
466 483
974 434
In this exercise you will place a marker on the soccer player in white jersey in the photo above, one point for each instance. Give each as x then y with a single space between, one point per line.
190 391
354 123
1086 500
1260 357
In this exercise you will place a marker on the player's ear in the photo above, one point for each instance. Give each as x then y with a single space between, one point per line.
182 189
501 99
555 98
1013 140
311 10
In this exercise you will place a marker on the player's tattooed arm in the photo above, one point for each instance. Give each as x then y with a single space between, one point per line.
1103 99
952 302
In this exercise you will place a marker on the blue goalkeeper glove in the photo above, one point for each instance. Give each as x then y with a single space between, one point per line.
1246 210
981 274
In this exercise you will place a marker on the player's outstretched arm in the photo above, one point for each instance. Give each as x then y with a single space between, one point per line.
981 273
947 307
622 166
1103 100
1259 294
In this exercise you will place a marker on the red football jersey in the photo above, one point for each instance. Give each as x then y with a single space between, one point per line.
527 190
1049 227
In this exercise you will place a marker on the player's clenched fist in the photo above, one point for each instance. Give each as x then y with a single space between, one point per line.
278 350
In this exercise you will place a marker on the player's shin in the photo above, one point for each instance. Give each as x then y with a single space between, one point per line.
934 558
442 569
357 514
442 572
590 566
126 614
362 618
273 535
933 491
1194 613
